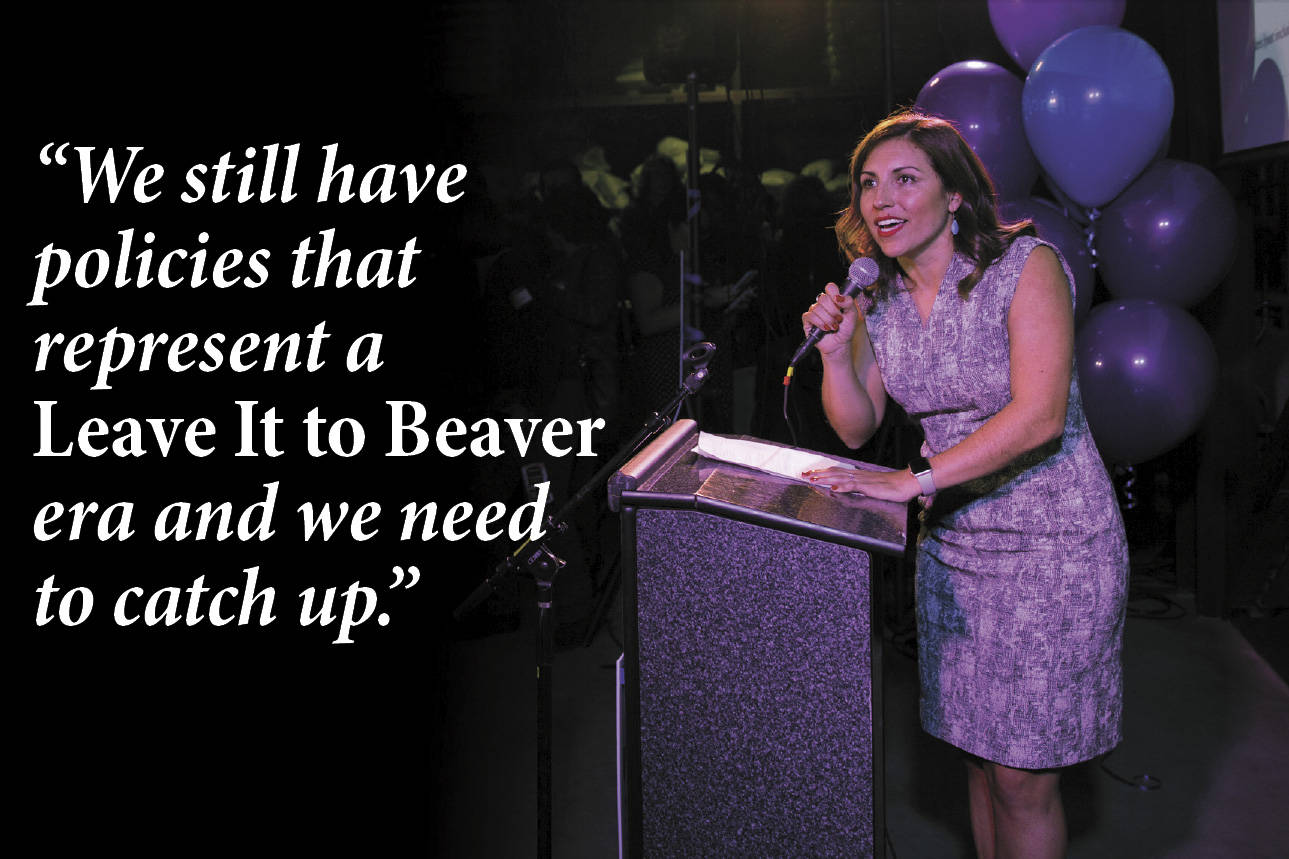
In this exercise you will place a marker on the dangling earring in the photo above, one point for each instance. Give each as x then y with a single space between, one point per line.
953 225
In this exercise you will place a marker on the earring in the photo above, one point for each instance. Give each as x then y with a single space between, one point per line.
953 225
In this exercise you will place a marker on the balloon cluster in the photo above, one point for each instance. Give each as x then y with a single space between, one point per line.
1092 116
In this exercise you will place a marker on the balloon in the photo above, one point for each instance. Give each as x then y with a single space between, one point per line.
1169 236
1081 214
1095 106
1026 27
983 101
1165 143
1147 372
1070 209
1069 239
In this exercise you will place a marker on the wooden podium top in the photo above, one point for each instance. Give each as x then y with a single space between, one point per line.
669 473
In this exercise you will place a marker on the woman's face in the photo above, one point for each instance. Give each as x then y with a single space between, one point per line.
902 200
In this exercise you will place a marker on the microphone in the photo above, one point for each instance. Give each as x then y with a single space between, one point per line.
699 355
863 271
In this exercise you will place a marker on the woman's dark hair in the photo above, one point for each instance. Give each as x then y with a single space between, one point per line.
981 236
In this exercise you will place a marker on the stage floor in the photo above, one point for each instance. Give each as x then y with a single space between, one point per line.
1205 715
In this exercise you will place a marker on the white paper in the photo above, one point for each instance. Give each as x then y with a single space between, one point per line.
771 459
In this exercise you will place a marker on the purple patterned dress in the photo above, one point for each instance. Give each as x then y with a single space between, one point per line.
1022 574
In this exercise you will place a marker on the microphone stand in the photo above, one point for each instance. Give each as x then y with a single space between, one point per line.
691 280
535 559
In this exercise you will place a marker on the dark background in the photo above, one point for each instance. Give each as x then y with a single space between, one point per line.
164 738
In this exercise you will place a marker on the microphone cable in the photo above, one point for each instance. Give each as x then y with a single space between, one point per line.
787 386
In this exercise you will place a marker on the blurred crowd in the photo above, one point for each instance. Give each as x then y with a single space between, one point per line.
582 302
582 311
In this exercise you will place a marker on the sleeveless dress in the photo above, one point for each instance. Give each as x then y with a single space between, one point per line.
1021 574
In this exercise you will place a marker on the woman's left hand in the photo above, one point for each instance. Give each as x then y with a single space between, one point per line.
885 485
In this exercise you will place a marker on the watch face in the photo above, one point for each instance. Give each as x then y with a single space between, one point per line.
919 465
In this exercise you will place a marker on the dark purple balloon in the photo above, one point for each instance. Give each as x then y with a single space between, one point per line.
983 101
1096 105
1026 27
1148 372
1169 236
1054 227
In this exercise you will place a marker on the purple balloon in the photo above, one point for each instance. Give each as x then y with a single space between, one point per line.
1082 215
1169 236
1165 143
983 101
1148 372
1070 209
1069 239
1026 27
1096 105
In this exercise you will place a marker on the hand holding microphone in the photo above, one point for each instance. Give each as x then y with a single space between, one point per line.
830 312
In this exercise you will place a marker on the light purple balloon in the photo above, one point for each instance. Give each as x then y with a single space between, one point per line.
1054 227
1096 106
1147 372
1169 236
1070 209
1079 214
983 101
1026 27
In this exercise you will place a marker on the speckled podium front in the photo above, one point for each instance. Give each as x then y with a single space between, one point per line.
751 697
755 705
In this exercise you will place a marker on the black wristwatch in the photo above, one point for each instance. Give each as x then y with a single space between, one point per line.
921 470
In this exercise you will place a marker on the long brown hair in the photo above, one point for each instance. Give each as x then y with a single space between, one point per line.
981 236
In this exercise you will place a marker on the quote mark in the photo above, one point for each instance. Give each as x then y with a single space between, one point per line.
412 572
58 158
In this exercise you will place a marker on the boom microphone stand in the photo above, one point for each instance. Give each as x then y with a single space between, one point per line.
690 276
535 559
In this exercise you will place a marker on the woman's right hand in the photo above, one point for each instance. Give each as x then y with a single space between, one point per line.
834 313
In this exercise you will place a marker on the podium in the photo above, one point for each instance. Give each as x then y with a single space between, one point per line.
750 688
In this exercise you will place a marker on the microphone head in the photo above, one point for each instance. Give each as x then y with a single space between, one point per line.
863 271
700 354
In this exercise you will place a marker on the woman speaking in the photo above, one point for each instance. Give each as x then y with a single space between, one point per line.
1022 562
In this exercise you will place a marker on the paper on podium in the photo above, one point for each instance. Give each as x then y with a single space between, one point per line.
782 461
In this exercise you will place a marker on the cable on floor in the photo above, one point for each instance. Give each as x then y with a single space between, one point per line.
1143 781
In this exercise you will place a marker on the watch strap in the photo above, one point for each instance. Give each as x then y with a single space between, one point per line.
920 467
